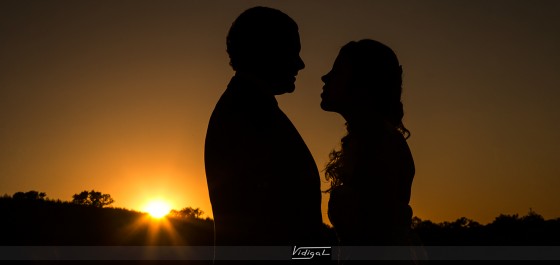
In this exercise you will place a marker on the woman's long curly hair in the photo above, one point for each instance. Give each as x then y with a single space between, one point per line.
377 75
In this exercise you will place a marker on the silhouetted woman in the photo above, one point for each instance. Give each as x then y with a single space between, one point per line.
371 175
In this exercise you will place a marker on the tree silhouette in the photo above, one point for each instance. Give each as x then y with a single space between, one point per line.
92 198
30 195
187 213
461 223
532 218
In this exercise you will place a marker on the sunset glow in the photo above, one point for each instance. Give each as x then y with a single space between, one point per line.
157 209
116 96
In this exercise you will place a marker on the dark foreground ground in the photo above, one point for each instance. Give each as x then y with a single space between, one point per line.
55 223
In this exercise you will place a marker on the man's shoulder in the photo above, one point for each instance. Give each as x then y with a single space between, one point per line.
236 106
228 111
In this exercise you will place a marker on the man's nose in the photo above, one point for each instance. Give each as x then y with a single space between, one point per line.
300 63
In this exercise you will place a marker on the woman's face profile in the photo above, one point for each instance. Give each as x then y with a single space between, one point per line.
336 94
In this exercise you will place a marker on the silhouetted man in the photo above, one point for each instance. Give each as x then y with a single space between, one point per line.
264 184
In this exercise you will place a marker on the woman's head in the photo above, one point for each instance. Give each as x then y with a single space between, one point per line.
366 79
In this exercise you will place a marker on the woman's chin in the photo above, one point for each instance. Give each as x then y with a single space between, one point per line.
326 107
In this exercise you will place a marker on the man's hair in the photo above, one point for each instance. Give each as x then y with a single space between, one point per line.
255 32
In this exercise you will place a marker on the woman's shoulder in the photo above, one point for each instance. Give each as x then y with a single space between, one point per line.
381 138
384 148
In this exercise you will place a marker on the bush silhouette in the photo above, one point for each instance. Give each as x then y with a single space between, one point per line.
187 213
92 198
30 195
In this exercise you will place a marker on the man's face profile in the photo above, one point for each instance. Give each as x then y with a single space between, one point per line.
279 64
264 43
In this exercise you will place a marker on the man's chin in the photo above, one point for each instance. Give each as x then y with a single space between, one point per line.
280 89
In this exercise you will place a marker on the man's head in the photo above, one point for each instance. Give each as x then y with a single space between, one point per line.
264 43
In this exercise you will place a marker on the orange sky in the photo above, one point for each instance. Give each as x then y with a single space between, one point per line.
116 95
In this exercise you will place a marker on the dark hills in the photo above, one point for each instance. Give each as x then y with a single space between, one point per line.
41 222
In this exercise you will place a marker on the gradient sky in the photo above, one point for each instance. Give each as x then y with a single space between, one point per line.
116 95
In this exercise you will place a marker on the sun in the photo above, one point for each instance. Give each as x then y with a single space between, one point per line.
158 208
